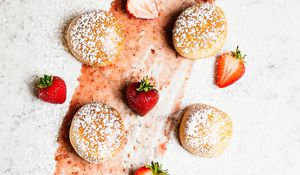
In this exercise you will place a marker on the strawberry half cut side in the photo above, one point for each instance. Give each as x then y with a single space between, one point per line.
229 68
145 9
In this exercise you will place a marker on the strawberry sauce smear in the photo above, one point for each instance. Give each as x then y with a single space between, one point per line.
148 51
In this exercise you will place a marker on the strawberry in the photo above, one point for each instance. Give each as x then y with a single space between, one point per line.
229 68
141 96
145 9
52 89
153 169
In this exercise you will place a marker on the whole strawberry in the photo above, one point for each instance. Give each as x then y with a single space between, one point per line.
153 169
52 89
229 68
141 96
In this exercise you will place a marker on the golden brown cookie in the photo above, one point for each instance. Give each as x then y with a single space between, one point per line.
97 132
205 130
200 31
96 38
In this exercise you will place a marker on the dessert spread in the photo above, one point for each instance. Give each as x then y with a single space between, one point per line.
148 51
120 47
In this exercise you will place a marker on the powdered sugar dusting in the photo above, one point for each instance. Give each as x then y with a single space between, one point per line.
97 129
199 27
207 128
96 37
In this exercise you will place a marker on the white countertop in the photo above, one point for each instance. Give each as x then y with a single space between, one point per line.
264 105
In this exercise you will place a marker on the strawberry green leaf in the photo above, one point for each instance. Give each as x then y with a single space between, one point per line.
45 81
156 169
238 54
145 85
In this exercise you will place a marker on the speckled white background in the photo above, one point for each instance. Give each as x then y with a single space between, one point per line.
264 105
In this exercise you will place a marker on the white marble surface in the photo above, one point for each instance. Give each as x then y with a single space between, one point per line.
264 104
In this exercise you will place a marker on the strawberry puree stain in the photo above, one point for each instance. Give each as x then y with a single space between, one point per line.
148 51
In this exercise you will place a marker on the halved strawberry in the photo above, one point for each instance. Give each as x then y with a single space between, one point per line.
229 68
145 9
153 169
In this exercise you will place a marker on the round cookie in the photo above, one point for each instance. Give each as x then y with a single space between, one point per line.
200 31
96 38
97 132
205 130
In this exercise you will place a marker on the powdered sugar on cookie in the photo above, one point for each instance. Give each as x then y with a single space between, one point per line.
96 38
98 132
199 27
207 128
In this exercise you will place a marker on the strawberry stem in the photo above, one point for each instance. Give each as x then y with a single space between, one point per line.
156 169
238 54
45 81
145 85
